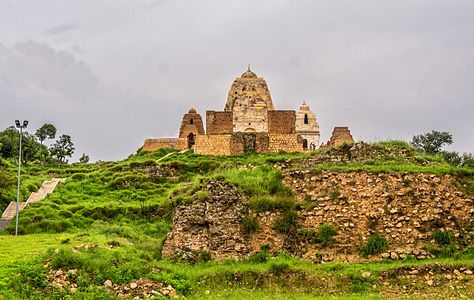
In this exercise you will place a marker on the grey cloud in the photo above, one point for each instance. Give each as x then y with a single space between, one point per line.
59 29
387 69
41 84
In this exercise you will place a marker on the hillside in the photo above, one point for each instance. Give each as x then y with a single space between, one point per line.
369 220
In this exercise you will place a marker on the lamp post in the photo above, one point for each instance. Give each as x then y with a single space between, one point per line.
20 126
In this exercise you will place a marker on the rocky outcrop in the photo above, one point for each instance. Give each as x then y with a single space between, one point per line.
211 225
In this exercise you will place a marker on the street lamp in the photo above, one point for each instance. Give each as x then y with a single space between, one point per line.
20 126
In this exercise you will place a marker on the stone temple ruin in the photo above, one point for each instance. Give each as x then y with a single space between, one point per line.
249 122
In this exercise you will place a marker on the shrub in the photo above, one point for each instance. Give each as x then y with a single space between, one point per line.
376 244
259 257
286 221
250 224
334 195
325 234
202 195
443 237
279 268
205 256
78 177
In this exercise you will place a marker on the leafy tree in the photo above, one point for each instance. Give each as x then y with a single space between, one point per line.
10 145
62 148
459 160
433 141
84 159
7 181
47 131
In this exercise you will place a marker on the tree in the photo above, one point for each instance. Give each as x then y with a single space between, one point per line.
10 145
47 131
432 142
62 148
84 159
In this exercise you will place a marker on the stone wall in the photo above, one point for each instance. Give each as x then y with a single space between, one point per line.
159 143
218 122
213 144
405 208
285 142
281 121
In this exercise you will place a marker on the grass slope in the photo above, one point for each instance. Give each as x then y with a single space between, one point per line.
109 220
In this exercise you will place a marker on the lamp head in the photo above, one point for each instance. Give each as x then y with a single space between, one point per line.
17 123
25 123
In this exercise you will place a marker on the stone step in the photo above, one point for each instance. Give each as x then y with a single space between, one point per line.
46 188
10 213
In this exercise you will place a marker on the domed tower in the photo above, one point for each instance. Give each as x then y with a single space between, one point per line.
191 126
307 127
249 100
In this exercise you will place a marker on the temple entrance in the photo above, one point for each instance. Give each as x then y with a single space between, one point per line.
191 140
305 144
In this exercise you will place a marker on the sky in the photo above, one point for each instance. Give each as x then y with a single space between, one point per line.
111 73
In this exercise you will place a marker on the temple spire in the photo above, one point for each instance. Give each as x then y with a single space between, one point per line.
248 68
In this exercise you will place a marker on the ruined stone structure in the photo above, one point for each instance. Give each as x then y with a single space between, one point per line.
340 135
249 122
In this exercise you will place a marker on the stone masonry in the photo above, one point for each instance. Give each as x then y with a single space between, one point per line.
341 135
249 122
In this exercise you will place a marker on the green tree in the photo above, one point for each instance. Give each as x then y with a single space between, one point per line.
47 131
432 142
10 145
62 148
84 159
7 181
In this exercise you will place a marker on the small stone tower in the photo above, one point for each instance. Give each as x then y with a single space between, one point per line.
341 135
191 126
307 127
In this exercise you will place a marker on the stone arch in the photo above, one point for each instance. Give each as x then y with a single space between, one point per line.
306 121
191 121
249 129
305 144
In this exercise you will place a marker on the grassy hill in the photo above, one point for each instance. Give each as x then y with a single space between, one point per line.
102 231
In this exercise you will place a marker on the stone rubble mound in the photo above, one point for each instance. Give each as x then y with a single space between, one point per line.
210 226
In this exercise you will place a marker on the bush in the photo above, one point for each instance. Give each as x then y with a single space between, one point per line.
376 244
279 268
443 237
325 234
250 224
286 221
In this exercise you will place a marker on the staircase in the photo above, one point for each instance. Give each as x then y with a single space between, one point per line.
46 188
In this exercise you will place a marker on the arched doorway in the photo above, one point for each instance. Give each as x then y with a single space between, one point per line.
305 144
191 140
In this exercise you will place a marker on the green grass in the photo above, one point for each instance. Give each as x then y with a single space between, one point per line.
129 204
375 244
21 249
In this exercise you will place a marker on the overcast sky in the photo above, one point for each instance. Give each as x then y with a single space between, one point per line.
113 72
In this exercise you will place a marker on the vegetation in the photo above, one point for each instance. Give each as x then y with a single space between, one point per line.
432 142
375 244
109 221
33 149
